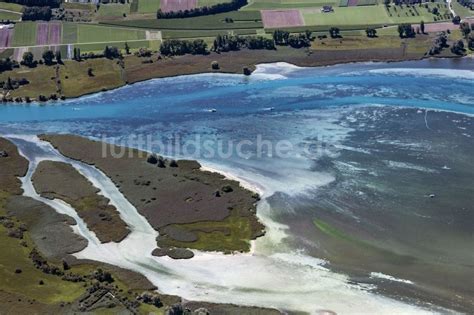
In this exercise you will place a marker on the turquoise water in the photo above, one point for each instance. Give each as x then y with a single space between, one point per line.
295 89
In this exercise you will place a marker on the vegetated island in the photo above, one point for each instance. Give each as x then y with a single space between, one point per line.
62 181
189 207
38 274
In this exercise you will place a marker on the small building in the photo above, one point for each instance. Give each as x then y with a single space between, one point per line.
327 8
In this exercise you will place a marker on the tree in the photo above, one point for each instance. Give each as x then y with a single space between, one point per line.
89 72
233 5
28 59
127 48
9 84
58 57
111 52
36 13
48 57
422 27
281 37
470 42
199 47
465 29
405 30
457 19
371 32
334 32
458 47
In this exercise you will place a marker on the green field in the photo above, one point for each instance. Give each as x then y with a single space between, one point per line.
287 4
78 6
24 34
4 15
113 10
242 20
208 3
148 6
348 16
69 33
461 10
87 33
372 15
11 7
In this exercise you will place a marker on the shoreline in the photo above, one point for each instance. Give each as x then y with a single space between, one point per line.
254 67
134 71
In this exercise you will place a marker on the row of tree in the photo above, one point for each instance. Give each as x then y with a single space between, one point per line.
36 14
284 38
7 64
177 47
233 5
224 43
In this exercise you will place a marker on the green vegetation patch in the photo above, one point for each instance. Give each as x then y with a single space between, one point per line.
229 235
78 82
9 16
113 10
11 7
39 77
15 256
24 34
69 33
147 6
99 34
208 3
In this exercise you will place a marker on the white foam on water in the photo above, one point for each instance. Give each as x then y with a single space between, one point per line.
271 276
388 277
410 166
276 67
447 73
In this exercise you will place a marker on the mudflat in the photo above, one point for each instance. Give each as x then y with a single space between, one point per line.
12 166
50 231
